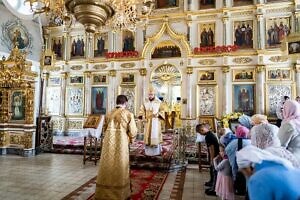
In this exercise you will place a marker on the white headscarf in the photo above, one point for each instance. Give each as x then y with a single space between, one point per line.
265 135
250 155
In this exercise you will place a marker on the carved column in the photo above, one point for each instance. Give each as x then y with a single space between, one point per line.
297 79
226 90
64 77
112 73
143 73
189 72
260 89
260 31
66 36
45 78
87 94
47 44
226 30
89 45
297 20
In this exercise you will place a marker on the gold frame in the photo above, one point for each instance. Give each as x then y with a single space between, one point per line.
49 62
67 101
100 83
10 99
124 35
254 96
83 36
269 69
293 94
76 75
53 84
253 33
248 70
62 38
215 86
129 82
107 100
135 96
206 25
202 72
92 121
268 20
211 121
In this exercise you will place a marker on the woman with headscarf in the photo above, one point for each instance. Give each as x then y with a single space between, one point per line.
245 120
289 132
269 177
266 137
231 149
257 119
279 110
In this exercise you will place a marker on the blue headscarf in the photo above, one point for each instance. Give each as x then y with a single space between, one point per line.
245 120
227 138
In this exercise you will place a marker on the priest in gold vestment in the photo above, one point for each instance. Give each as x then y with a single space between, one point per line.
177 110
113 180
151 111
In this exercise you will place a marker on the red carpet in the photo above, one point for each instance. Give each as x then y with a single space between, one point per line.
146 184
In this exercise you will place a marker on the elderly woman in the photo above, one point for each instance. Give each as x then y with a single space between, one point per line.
256 120
266 137
289 132
269 177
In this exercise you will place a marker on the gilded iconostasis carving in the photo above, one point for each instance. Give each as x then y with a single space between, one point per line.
217 56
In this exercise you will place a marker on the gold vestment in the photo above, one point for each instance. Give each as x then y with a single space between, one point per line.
113 180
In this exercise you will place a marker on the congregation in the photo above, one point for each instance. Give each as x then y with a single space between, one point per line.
258 159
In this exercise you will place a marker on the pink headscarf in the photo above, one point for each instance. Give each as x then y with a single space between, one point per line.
241 131
291 113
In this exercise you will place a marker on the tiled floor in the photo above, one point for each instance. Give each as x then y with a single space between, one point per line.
53 176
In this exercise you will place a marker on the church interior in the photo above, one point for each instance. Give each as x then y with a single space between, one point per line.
209 62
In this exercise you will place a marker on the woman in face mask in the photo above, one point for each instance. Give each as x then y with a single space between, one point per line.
269 177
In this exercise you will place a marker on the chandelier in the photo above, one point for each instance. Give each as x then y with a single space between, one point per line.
114 14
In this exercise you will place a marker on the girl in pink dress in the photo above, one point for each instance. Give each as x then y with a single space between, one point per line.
224 186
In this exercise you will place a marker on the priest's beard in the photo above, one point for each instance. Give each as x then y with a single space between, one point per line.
151 99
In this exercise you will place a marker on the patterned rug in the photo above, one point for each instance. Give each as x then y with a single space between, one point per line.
146 184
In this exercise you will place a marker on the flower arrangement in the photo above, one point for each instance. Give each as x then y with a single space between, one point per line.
231 116
216 49
122 54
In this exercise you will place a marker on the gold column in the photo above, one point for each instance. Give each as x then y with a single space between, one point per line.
29 109
4 107
260 90
226 92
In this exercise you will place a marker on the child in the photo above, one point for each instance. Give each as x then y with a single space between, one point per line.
224 185
213 150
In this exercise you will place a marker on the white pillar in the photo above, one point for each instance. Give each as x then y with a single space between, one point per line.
142 88
87 94
189 72
261 41
66 36
260 89
297 79
64 77
297 20
45 77
226 31
226 94
112 81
